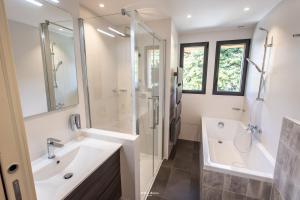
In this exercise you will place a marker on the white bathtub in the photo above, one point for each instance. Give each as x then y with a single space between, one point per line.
221 155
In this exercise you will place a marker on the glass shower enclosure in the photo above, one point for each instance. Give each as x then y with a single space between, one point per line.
124 80
148 68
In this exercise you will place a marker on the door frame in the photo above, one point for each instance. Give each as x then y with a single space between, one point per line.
13 141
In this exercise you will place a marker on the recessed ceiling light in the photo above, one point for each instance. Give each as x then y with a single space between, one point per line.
60 29
55 1
35 3
101 5
105 33
189 16
246 9
118 32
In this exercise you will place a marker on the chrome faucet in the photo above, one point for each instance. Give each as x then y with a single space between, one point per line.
51 143
253 129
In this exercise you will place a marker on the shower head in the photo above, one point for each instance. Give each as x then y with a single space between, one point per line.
267 37
263 29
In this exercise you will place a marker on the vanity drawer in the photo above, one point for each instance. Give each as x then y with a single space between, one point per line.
103 184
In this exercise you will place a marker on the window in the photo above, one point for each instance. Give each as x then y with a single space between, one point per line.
231 67
193 59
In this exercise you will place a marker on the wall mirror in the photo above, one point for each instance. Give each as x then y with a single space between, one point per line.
42 39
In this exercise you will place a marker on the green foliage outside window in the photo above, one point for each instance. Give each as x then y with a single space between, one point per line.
230 68
193 68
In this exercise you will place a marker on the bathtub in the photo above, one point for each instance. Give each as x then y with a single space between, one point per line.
226 150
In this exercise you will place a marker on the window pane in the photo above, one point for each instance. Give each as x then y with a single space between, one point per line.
153 61
193 63
231 68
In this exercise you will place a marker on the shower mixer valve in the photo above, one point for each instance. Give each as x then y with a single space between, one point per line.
253 129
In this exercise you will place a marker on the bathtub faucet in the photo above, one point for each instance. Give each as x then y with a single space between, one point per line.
253 129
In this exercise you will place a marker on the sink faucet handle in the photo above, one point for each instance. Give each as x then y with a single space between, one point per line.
74 121
51 143
53 140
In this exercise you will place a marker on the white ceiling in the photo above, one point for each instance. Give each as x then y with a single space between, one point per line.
206 14
24 12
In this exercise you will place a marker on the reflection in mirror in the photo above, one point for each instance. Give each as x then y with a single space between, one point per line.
43 48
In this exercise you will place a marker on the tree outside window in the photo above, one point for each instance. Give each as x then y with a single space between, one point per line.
193 58
231 67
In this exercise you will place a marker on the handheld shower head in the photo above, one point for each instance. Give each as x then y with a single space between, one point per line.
255 65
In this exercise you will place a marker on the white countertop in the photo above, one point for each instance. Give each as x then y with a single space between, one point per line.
80 157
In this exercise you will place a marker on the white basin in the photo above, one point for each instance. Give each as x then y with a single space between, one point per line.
81 158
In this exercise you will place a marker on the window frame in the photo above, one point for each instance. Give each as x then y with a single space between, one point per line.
205 63
247 42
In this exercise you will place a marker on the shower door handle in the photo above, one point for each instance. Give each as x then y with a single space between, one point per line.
155 111
156 103
151 118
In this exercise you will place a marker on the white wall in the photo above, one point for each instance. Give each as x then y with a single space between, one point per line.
55 124
194 106
281 93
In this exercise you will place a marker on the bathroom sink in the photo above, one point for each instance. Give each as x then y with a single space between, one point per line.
55 178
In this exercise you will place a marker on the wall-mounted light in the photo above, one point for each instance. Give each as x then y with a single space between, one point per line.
36 3
117 32
105 33
55 1
246 9
189 16
101 5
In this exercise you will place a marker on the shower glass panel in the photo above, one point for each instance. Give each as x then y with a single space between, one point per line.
157 71
108 60
148 68
145 104
125 77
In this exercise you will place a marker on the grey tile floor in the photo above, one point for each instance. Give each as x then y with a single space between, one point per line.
178 177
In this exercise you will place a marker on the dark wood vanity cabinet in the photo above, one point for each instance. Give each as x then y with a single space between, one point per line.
102 184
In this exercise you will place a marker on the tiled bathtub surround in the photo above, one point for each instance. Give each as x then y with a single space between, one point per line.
219 186
287 169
